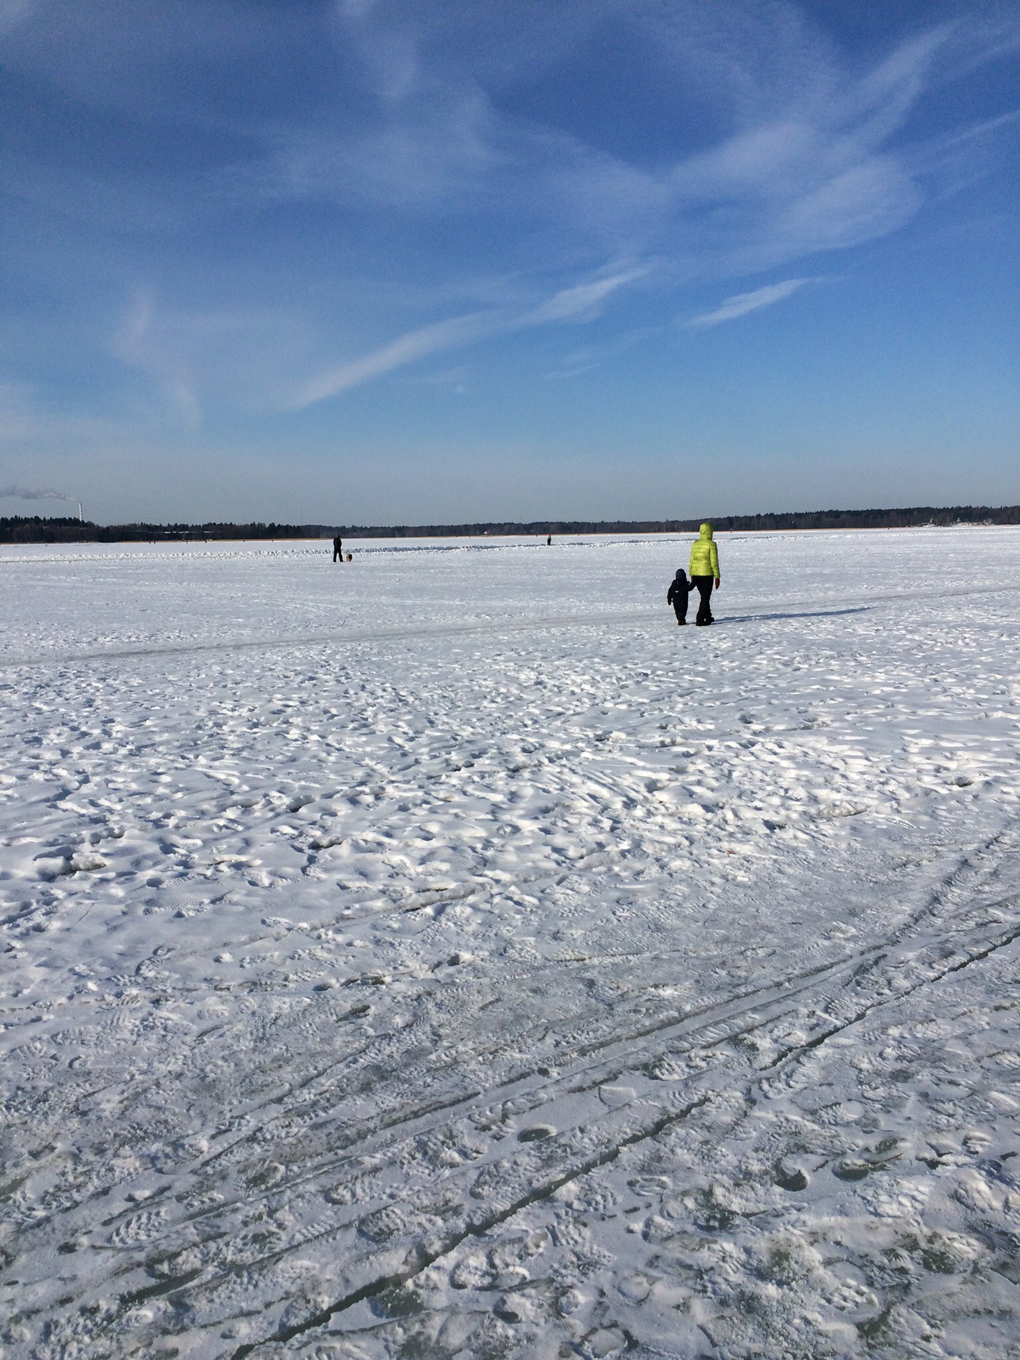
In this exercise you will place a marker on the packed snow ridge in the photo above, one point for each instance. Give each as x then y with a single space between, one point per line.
444 955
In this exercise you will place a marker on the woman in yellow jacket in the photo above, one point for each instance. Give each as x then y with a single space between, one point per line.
704 569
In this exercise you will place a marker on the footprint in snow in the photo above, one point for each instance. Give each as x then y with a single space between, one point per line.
141 1228
614 1096
536 1132
852 1169
791 1179
650 1185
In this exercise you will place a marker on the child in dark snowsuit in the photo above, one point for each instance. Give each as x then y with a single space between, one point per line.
677 595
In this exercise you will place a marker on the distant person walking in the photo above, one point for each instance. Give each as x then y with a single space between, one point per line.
338 549
676 595
704 569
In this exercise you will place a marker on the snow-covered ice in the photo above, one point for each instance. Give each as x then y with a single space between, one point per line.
445 955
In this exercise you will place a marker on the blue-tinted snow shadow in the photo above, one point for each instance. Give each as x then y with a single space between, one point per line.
808 614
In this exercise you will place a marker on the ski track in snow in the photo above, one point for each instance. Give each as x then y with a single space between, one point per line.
446 956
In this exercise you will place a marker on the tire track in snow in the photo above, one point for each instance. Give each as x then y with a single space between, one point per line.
721 1025
385 1077
651 1129
672 1024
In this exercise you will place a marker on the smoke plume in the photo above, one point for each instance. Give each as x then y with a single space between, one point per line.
25 493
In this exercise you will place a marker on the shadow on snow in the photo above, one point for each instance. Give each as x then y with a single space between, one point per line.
807 614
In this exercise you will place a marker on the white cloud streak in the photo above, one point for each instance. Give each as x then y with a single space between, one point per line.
582 301
801 162
983 129
13 13
416 344
423 118
578 303
743 303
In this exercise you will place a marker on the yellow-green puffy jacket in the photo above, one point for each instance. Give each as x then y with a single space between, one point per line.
704 555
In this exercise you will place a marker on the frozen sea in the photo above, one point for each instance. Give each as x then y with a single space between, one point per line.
444 955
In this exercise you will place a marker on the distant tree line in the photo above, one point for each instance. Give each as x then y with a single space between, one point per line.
34 529
800 519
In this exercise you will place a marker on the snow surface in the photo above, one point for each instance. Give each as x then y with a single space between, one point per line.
445 955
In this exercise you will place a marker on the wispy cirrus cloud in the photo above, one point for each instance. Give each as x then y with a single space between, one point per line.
743 303
13 13
405 349
802 158
576 303
192 358
582 300
984 128
30 432
253 173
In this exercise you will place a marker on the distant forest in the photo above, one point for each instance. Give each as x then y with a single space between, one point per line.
34 529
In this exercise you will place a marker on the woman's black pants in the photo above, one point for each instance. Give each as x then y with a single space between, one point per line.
704 585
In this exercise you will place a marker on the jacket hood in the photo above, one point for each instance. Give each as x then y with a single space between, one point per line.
706 530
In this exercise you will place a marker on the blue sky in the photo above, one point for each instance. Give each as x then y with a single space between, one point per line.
382 262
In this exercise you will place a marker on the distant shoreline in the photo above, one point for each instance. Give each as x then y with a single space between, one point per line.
35 529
